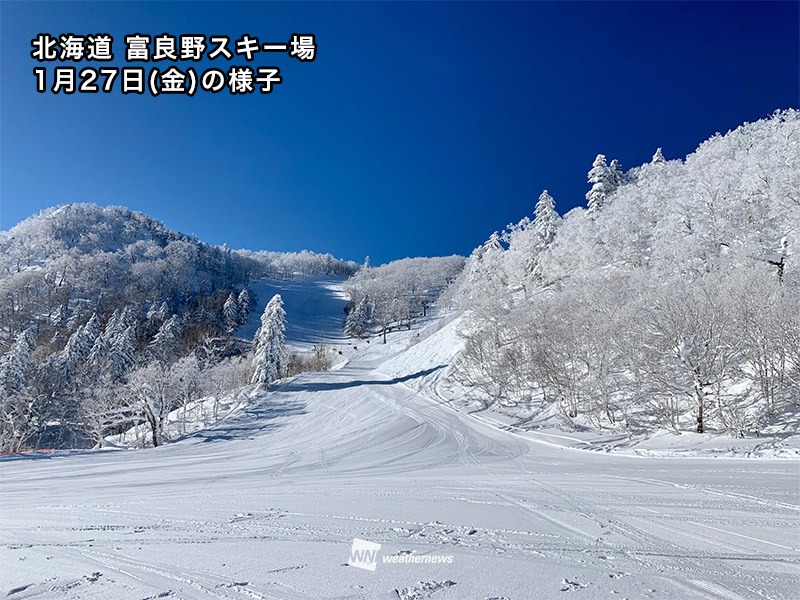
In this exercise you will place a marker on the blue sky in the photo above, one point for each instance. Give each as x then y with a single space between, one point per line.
419 129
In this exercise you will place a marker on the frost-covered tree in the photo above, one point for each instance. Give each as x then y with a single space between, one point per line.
527 240
16 365
121 354
358 319
546 220
76 351
269 353
618 177
231 315
403 289
604 180
149 396
245 304
20 407
674 305
485 273
158 312
658 157
165 345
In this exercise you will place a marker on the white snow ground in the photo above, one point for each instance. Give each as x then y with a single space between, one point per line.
267 504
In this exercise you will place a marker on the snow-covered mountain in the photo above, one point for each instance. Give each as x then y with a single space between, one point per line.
88 294
671 301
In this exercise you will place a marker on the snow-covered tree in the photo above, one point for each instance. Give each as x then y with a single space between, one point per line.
76 351
158 312
121 354
485 272
403 289
16 365
269 353
673 305
658 157
231 315
165 345
21 413
358 319
245 304
149 396
618 177
546 220
604 182
527 240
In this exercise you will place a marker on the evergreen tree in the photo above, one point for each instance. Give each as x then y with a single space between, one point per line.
603 183
618 177
358 318
59 319
16 365
164 347
230 313
658 158
545 224
269 356
121 354
158 313
244 305
78 347
546 220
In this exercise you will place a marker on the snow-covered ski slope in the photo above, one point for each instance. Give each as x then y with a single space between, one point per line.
266 506
314 308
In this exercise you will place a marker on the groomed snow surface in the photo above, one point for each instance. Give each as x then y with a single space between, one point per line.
266 504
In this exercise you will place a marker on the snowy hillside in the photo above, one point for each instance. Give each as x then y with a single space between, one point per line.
315 308
94 299
670 302
267 504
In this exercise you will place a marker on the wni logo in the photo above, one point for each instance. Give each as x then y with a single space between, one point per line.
364 554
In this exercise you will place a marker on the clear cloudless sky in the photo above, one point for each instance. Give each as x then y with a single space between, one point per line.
419 129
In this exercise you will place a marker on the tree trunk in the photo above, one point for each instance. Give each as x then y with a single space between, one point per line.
151 419
699 418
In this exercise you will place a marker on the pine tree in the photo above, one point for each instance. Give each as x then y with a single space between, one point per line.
164 346
658 158
99 354
230 313
244 305
78 347
358 318
121 354
158 313
269 356
545 223
546 220
617 176
16 365
60 318
602 179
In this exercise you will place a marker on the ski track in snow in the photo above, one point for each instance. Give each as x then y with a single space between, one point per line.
266 504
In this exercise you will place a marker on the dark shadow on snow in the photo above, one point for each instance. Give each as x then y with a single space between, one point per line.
320 387
251 422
